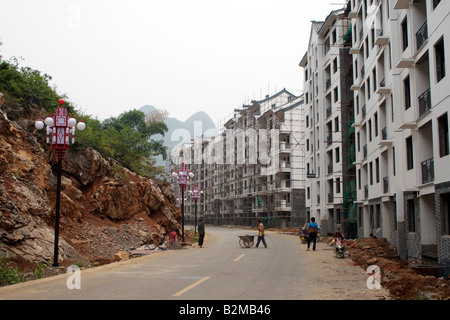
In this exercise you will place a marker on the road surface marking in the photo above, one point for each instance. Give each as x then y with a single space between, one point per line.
179 293
239 258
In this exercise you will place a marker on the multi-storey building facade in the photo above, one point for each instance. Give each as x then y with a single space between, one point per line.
254 168
401 123
330 183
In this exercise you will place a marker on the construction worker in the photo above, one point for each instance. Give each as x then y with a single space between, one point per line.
261 234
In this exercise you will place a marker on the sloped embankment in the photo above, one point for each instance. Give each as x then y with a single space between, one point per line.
104 207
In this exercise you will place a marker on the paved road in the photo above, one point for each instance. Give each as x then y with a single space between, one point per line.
222 270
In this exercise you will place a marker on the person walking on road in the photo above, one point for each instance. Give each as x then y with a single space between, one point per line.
312 233
261 234
201 232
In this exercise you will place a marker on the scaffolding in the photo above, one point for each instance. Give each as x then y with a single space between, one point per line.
339 199
348 149
239 192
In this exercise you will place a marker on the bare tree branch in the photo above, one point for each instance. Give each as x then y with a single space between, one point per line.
158 115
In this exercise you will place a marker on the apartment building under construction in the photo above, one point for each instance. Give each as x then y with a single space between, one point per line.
254 169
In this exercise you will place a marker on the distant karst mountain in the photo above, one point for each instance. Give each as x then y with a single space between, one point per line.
200 123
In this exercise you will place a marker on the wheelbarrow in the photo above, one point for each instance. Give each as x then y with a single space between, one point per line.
246 241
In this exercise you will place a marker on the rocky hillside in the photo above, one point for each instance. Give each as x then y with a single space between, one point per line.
104 207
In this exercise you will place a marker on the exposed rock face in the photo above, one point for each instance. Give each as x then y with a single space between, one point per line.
104 207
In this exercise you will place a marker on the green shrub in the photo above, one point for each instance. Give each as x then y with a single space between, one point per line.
23 85
126 138
9 272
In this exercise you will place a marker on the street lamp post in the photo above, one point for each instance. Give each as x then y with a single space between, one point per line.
179 200
195 195
59 126
182 176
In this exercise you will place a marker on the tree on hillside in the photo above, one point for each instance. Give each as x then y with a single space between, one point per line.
29 87
127 138
130 142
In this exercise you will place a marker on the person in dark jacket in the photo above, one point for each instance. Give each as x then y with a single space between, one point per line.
201 233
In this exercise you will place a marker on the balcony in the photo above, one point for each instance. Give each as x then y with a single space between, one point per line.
310 175
428 171
354 50
353 14
285 147
329 140
386 185
282 205
407 125
282 128
424 102
327 84
405 63
329 111
283 186
285 166
381 40
401 4
384 140
261 188
384 133
382 89
330 169
422 36
330 198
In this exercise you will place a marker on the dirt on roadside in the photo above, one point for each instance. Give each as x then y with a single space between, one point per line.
404 279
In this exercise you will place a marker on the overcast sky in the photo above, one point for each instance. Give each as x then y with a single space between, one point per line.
180 55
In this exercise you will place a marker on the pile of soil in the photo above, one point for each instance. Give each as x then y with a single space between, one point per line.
400 277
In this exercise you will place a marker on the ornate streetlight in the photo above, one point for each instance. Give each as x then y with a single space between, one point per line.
179 200
60 126
182 176
195 195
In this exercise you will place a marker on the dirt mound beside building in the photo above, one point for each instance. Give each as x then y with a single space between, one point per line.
404 279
